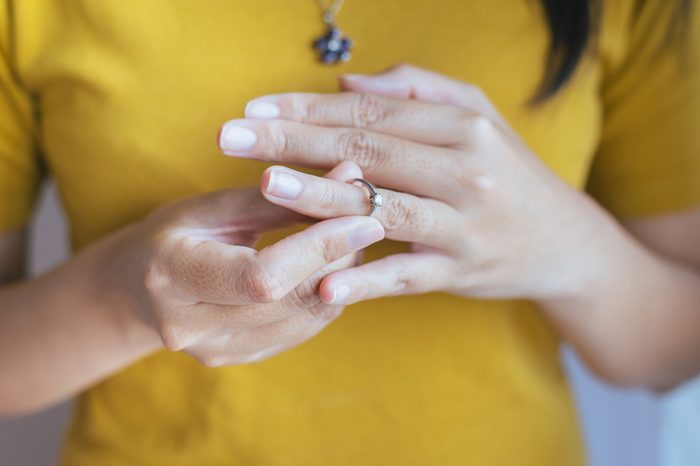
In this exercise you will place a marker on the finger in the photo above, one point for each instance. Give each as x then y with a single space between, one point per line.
407 81
189 326
386 160
345 171
379 85
423 122
297 330
250 209
405 217
221 212
266 341
399 274
215 272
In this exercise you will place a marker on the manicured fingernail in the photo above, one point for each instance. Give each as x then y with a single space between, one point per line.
284 185
340 293
365 233
236 138
261 110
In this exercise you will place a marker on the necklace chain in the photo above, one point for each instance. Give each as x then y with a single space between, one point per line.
332 47
330 12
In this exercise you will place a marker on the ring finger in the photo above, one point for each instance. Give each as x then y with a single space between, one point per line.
391 161
405 217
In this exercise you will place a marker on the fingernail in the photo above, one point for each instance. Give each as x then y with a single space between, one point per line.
261 110
284 185
340 293
236 138
365 233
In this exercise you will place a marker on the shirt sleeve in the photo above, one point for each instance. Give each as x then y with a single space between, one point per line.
20 172
648 162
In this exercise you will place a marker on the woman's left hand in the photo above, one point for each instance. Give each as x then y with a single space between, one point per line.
486 218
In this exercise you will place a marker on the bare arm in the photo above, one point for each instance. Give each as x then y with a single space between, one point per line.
184 279
639 323
62 331
486 219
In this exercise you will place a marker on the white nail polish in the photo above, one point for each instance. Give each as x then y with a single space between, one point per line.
236 138
257 109
284 185
341 292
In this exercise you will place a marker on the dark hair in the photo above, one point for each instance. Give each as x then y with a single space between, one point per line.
572 25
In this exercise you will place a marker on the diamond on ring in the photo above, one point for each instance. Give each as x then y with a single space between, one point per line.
376 198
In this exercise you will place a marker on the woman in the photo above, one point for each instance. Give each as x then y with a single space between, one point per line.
121 100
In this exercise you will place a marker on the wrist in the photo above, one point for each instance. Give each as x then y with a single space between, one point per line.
590 259
111 285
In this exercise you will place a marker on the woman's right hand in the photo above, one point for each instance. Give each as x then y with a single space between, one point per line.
191 274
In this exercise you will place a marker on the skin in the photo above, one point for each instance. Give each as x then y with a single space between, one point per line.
485 219
161 282
186 278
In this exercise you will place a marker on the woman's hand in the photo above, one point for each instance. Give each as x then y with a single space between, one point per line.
485 217
193 276
185 277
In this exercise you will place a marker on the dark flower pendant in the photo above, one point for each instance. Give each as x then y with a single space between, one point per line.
332 47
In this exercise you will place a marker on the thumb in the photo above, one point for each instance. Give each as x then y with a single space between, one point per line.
344 171
245 209
239 209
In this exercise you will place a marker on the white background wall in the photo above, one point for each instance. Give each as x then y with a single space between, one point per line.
622 428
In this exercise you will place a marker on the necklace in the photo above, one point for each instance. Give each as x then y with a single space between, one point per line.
332 47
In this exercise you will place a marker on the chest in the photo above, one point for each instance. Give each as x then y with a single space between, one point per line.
130 94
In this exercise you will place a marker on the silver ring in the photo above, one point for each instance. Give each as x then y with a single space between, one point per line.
376 198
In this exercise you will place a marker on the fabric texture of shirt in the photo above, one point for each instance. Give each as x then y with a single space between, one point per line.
120 102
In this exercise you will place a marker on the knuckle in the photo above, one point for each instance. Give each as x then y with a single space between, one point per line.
282 142
305 108
366 110
173 336
191 275
405 284
154 279
160 263
358 146
476 184
476 126
310 108
400 214
304 296
333 248
328 198
262 286
325 312
212 360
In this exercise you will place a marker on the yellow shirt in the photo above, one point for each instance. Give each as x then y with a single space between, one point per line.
121 99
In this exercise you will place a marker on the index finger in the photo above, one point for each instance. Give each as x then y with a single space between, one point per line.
418 121
220 273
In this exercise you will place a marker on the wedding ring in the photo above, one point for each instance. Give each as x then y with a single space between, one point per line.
376 198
